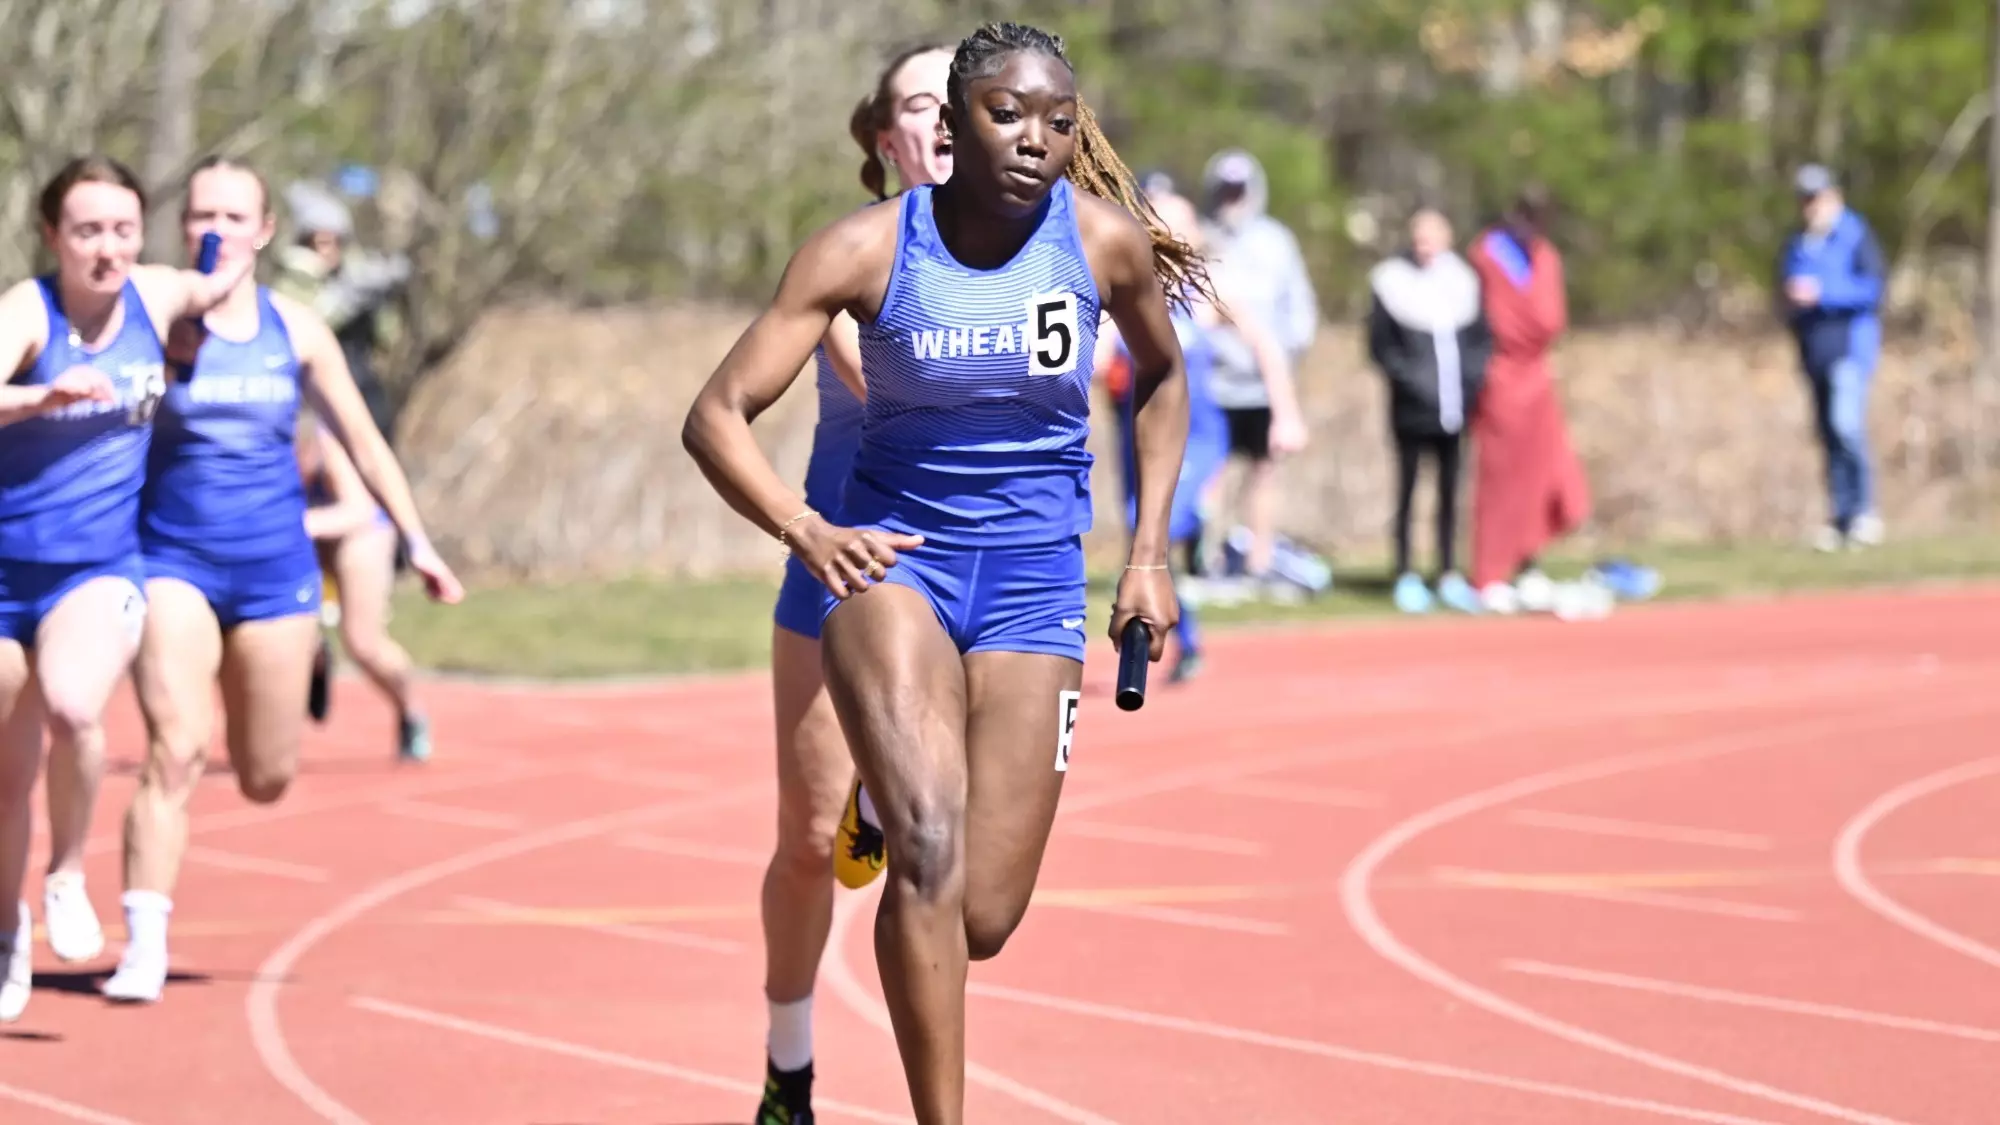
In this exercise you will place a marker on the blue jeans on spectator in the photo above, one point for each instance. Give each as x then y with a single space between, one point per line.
1840 407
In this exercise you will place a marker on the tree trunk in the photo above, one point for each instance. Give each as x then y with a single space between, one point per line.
172 142
1990 367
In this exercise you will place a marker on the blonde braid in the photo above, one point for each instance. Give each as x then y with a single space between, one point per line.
1096 168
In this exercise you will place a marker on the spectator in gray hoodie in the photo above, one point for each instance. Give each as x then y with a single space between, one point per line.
1257 258
347 285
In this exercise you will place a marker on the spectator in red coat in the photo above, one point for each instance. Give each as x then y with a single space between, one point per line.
1529 486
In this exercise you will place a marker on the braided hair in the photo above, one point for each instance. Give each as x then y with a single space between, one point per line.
1095 168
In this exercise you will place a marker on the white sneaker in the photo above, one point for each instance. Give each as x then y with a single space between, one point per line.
1536 592
142 969
1866 530
74 933
1827 539
1500 598
20 966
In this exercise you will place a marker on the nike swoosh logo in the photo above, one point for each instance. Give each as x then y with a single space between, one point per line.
1072 623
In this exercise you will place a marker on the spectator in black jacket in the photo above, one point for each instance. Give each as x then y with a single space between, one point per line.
1428 336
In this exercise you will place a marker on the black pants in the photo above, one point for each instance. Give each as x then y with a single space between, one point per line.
1443 449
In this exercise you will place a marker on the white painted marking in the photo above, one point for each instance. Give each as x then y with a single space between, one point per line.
260 1001
294 808
1666 900
693 849
1162 838
1847 858
1321 795
453 815
1357 896
60 1107
1606 826
1174 915
544 1043
838 975
1349 1054
653 934
256 865
1751 1000
671 780
1695 904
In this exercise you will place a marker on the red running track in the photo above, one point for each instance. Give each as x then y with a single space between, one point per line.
1719 864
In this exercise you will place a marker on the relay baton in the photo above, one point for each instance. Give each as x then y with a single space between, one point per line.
1134 654
211 244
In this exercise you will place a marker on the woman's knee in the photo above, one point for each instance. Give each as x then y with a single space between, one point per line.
175 760
263 780
74 715
926 845
989 921
805 838
366 648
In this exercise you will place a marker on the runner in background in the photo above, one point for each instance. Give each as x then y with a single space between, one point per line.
356 543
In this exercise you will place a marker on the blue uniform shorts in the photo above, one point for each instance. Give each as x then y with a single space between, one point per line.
997 599
799 598
30 591
242 592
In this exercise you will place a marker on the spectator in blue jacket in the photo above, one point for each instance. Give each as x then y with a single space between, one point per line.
1833 278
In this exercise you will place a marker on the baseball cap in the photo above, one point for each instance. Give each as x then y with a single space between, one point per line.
1236 168
1812 179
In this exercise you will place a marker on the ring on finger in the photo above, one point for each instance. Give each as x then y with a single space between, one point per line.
876 570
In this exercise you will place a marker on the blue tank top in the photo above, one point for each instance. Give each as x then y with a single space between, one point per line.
1208 427
979 388
70 480
835 437
223 478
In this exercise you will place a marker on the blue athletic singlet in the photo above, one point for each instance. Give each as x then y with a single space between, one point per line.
224 475
835 437
979 388
224 506
1208 426
974 432
70 480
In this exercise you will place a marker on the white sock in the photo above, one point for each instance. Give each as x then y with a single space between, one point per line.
868 810
146 919
791 1039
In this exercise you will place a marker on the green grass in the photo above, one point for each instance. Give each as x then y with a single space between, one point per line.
648 626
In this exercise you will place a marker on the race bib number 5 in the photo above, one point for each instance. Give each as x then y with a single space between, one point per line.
1052 335
1066 726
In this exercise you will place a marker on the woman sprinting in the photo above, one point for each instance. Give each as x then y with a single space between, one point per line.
85 370
824 816
356 542
231 577
953 632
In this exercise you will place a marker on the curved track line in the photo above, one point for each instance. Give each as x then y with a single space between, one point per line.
1847 858
260 1004
1360 1058
1357 898
837 973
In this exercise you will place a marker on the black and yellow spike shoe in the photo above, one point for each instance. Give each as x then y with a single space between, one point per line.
787 1097
859 852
